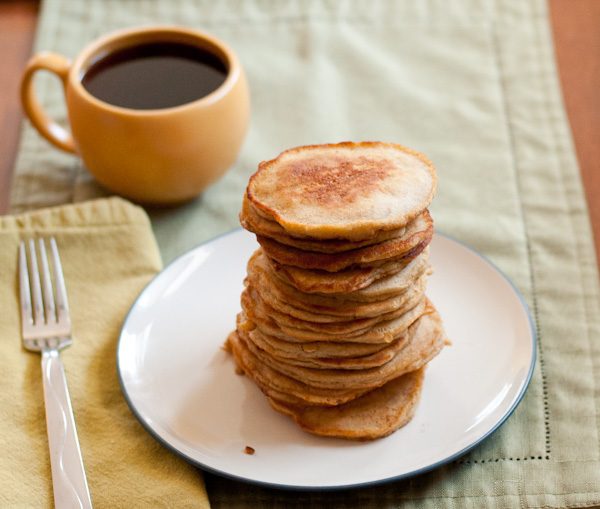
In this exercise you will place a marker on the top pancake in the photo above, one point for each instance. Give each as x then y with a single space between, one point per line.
343 191
252 221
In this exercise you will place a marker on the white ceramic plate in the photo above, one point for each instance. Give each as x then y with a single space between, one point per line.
182 386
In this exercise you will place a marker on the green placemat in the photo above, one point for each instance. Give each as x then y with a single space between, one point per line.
473 85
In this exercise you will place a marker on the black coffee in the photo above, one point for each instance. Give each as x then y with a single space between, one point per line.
154 76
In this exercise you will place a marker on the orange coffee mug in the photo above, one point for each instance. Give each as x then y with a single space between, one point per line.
164 155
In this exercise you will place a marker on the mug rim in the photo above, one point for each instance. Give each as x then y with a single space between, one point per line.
86 56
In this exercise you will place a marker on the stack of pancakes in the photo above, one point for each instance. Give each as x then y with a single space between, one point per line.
335 326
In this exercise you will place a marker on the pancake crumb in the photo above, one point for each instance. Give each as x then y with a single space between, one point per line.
249 450
239 371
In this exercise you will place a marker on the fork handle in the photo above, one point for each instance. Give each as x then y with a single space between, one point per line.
68 475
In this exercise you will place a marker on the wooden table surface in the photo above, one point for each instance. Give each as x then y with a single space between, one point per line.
576 28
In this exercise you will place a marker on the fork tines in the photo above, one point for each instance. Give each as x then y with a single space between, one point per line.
44 306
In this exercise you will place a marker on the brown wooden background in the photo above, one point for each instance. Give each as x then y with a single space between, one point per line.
576 27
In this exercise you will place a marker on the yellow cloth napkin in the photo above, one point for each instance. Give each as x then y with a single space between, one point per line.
108 253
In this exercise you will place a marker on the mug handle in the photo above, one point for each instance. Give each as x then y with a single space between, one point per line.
47 127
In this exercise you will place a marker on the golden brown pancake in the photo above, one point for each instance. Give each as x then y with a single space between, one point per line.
371 360
344 281
325 355
344 190
254 305
274 383
335 327
252 221
383 332
313 307
418 234
376 414
307 349
383 310
381 290
425 341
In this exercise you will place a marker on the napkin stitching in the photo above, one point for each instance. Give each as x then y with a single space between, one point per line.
528 245
558 143
532 276
546 75
496 460
535 303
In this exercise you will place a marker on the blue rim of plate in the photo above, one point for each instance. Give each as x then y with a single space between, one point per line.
292 487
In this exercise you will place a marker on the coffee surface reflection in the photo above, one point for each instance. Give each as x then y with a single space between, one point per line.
154 76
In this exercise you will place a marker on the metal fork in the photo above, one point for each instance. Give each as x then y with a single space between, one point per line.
46 328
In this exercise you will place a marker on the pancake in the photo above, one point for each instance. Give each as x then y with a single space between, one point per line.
344 281
254 305
335 327
376 414
305 350
381 290
383 332
418 233
371 360
382 310
255 223
284 297
425 340
345 190
274 383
